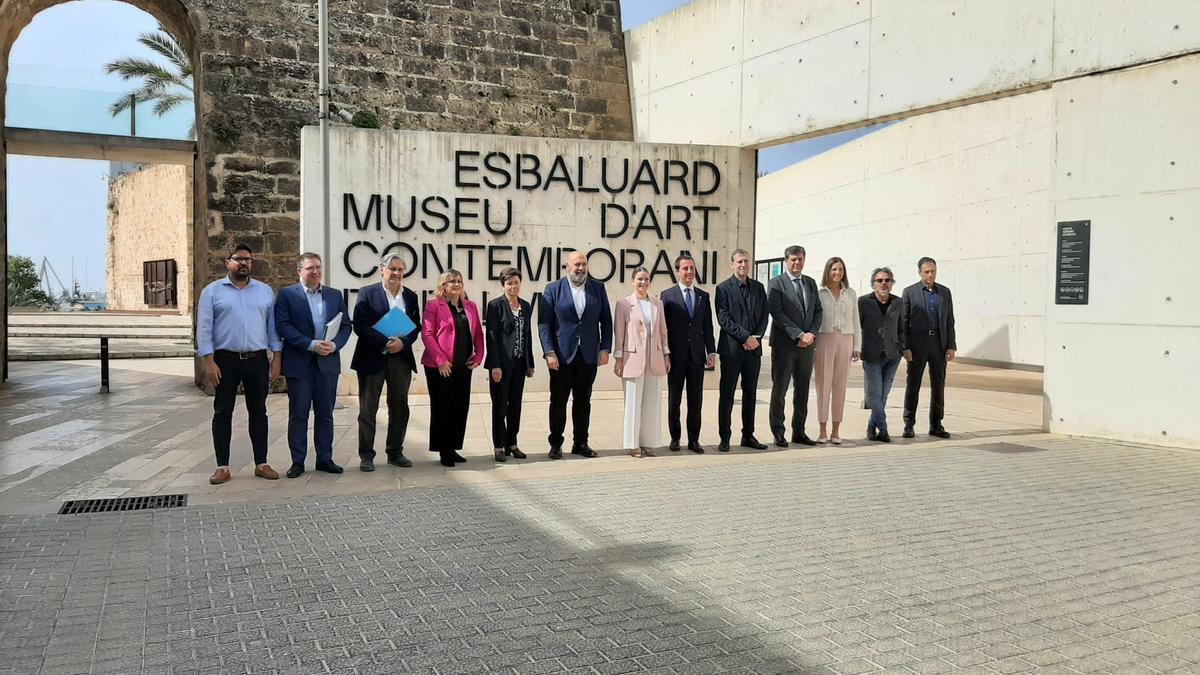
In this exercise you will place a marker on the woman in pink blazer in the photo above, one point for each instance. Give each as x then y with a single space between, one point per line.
453 339
642 361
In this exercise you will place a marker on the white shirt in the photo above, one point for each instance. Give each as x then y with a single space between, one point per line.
841 315
396 300
647 314
579 295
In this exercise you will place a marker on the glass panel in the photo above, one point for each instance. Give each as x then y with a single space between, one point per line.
34 106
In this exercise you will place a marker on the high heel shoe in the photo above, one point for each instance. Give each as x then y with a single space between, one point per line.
457 457
447 458
635 452
501 456
647 452
515 452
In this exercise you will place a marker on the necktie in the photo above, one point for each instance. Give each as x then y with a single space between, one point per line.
799 291
687 299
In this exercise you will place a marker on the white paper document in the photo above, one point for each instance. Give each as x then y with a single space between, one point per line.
331 328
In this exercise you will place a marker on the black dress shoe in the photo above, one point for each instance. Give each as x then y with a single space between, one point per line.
329 468
752 443
556 452
399 460
723 446
939 432
674 446
908 432
803 439
872 435
366 465
295 470
781 442
458 459
583 451
446 458
696 448
515 452
883 437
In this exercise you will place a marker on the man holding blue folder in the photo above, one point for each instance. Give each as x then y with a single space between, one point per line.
387 321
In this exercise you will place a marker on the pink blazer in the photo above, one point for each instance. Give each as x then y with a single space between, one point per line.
629 338
437 331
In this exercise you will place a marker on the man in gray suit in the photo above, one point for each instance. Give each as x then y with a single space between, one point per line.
928 323
795 311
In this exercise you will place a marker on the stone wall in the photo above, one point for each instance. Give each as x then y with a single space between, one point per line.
148 219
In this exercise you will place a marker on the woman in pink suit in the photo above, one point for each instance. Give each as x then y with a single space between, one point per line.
642 361
453 339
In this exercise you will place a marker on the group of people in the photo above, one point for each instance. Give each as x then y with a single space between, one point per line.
648 339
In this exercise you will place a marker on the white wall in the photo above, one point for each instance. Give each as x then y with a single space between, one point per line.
969 186
756 72
1128 159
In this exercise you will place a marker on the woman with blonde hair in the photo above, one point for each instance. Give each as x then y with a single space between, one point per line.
453 338
838 343
641 360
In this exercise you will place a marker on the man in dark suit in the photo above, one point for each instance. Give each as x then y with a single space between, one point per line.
795 312
380 359
688 313
575 328
311 363
929 339
742 315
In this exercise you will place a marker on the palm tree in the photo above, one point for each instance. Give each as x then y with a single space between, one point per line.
168 85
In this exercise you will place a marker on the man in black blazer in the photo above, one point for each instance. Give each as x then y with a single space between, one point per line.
378 360
742 315
688 314
880 316
929 339
796 314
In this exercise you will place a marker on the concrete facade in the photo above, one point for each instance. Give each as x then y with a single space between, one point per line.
149 213
969 186
432 198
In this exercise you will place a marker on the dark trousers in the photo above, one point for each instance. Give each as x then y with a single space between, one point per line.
316 392
932 354
254 376
686 375
790 366
449 403
506 404
398 376
745 366
572 380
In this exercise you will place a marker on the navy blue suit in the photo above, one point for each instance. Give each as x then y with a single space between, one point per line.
690 339
577 342
311 379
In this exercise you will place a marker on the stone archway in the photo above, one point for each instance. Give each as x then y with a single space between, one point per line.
15 15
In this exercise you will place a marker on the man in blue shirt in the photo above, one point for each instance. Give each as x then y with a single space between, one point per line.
235 327
928 326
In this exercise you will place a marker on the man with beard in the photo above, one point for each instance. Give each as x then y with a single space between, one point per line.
235 326
575 327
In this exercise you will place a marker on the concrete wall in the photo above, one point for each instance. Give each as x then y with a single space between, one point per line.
1125 365
546 222
969 186
149 218
755 72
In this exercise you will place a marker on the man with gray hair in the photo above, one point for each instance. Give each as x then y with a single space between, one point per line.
880 315
380 359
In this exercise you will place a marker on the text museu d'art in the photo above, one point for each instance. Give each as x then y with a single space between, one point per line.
485 205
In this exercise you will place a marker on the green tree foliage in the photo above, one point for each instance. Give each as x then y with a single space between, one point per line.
167 84
24 289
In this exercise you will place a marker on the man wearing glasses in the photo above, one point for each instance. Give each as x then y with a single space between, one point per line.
879 314
235 327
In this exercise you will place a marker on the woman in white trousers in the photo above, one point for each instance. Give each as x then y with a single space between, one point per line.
641 360
838 343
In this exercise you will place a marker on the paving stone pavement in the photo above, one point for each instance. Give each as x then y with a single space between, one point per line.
1056 555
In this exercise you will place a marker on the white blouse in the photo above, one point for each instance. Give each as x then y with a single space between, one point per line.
841 315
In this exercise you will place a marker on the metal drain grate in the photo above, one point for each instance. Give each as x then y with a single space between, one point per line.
1008 448
123 504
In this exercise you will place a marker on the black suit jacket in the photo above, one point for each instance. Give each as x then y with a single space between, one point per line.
882 334
500 331
688 337
916 318
788 321
738 318
370 307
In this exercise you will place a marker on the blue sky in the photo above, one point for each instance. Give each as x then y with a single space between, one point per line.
56 81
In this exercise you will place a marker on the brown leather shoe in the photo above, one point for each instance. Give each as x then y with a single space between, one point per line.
265 471
219 476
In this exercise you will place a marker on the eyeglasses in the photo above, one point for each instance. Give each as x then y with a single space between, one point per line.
240 258
883 281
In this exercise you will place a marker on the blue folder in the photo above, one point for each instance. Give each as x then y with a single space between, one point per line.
395 323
